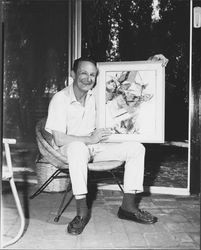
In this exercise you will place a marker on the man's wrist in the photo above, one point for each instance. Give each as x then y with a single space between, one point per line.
89 139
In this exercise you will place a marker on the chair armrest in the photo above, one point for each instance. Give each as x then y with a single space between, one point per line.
9 141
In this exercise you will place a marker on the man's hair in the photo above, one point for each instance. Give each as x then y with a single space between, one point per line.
82 59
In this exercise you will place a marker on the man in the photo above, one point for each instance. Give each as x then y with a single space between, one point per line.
71 121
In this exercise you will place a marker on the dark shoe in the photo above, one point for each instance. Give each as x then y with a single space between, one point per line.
77 225
139 216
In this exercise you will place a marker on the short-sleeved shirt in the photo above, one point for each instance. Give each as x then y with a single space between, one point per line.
67 115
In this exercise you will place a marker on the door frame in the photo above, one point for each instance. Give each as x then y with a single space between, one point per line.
192 145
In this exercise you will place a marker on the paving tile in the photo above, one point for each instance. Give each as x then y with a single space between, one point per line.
5 239
149 205
183 238
113 202
10 228
103 227
112 193
137 240
161 239
195 237
176 210
120 240
172 218
153 211
178 226
93 239
192 215
145 228
113 198
99 241
160 227
9 216
182 227
195 223
165 204
130 227
33 244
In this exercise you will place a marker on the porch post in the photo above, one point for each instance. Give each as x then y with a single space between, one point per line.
194 107
74 31
78 26
1 110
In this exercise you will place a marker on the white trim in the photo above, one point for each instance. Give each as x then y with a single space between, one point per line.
190 96
73 29
22 169
151 189
32 181
181 144
69 40
9 141
78 18
167 190
76 29
74 33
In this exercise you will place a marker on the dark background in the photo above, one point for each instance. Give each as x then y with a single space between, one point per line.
36 44
35 56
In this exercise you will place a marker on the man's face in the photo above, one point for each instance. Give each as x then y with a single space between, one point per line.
85 77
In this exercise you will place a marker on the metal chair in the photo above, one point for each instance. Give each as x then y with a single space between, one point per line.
8 176
55 158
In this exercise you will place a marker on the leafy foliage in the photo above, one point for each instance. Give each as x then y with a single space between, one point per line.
125 30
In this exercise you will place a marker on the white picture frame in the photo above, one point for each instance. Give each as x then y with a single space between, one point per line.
130 99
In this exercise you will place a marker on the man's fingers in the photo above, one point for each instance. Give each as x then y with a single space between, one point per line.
104 138
159 57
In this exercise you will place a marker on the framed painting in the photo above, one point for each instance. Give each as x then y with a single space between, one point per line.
131 100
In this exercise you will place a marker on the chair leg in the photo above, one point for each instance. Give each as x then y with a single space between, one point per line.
21 213
57 172
62 207
117 181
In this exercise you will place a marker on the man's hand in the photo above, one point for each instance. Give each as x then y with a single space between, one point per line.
159 57
100 135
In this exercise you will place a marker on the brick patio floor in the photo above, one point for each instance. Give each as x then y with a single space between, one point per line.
178 226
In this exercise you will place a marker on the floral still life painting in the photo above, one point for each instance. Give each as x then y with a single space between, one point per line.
131 100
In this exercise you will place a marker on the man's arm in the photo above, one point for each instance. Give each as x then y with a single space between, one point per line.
98 135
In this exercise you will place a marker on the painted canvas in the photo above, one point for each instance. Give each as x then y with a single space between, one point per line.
130 100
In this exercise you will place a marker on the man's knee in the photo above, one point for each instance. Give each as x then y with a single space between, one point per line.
78 149
77 146
134 147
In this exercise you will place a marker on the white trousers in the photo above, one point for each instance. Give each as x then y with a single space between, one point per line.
79 154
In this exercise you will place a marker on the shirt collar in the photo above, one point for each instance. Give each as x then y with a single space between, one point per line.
72 94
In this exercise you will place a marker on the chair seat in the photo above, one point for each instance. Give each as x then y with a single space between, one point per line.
98 166
104 165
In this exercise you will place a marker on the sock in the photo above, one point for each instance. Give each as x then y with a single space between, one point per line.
81 206
128 202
